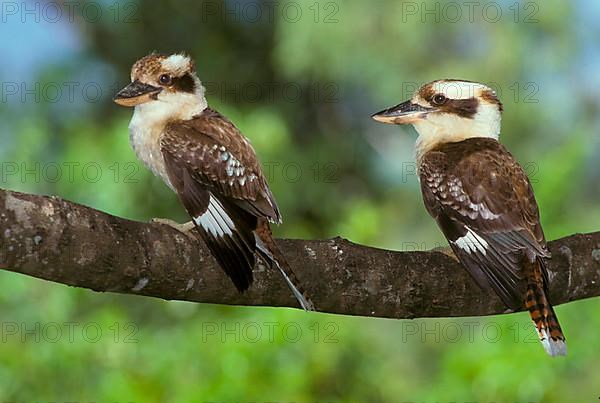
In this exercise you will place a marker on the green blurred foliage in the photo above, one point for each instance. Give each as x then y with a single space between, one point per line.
302 88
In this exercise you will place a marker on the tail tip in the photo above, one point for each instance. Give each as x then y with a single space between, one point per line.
303 300
308 305
554 347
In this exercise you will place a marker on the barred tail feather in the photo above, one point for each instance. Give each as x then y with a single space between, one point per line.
545 320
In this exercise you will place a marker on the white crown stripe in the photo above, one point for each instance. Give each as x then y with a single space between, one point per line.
458 89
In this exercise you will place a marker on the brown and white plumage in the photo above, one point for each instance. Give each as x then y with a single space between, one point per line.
208 162
219 181
223 159
480 197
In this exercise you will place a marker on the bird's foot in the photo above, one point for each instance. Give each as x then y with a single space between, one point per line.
184 228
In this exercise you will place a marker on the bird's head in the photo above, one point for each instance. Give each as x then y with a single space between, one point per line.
167 82
448 111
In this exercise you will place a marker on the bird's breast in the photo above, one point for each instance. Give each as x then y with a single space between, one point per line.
145 141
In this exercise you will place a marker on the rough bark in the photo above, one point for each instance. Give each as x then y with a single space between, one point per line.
60 241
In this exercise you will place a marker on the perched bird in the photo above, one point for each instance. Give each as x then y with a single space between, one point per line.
208 162
480 197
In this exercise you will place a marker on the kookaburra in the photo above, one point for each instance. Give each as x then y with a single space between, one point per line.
208 162
480 197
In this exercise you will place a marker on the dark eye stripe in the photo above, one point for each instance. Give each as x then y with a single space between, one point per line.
466 108
184 83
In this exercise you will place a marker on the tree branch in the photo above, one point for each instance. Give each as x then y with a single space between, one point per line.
60 241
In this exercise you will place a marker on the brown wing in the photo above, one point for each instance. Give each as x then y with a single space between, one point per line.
223 160
219 181
485 206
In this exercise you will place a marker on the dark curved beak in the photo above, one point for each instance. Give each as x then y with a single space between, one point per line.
136 93
402 114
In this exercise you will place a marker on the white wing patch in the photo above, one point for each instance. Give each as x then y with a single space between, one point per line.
452 192
215 220
233 167
482 210
471 242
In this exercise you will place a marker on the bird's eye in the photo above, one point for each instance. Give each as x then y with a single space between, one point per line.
439 99
165 79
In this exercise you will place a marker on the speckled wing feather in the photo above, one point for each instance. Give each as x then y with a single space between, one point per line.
218 178
222 160
484 205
